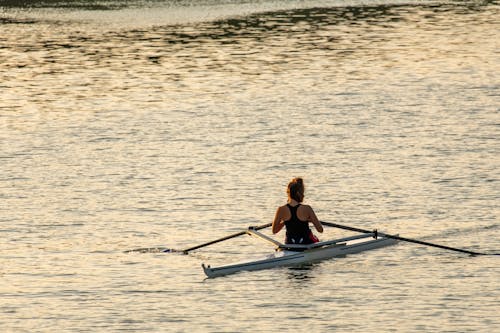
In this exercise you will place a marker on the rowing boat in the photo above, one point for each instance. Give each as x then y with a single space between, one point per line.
293 254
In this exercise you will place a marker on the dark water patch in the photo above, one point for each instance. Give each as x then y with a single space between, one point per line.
11 20
73 4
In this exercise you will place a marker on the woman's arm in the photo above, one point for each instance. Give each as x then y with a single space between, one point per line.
278 222
314 219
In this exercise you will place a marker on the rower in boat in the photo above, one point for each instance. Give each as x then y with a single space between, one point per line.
296 217
301 247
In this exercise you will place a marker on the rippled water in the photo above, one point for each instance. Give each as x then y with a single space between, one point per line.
127 124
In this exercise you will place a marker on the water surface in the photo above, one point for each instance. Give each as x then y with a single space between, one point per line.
171 123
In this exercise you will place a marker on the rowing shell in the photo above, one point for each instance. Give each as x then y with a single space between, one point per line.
292 255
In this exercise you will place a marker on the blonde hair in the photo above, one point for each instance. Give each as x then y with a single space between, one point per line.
295 189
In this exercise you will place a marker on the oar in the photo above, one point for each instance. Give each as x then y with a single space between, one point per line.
335 225
189 249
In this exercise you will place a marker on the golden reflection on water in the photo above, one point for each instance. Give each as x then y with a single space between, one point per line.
114 138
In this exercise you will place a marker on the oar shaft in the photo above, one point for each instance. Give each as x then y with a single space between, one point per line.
213 242
335 225
224 238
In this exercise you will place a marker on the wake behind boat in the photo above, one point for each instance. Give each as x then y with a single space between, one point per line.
292 255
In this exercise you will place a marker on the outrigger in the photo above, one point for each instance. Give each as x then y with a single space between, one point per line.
293 254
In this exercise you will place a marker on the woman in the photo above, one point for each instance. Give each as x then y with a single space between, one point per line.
296 217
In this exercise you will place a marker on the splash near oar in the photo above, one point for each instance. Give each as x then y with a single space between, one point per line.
409 240
150 250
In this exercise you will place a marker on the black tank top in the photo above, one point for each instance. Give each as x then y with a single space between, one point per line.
297 231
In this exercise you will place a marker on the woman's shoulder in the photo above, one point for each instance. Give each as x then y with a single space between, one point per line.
305 207
284 207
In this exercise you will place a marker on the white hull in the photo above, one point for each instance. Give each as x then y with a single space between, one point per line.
281 258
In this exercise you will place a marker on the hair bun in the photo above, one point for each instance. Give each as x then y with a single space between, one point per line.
295 189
